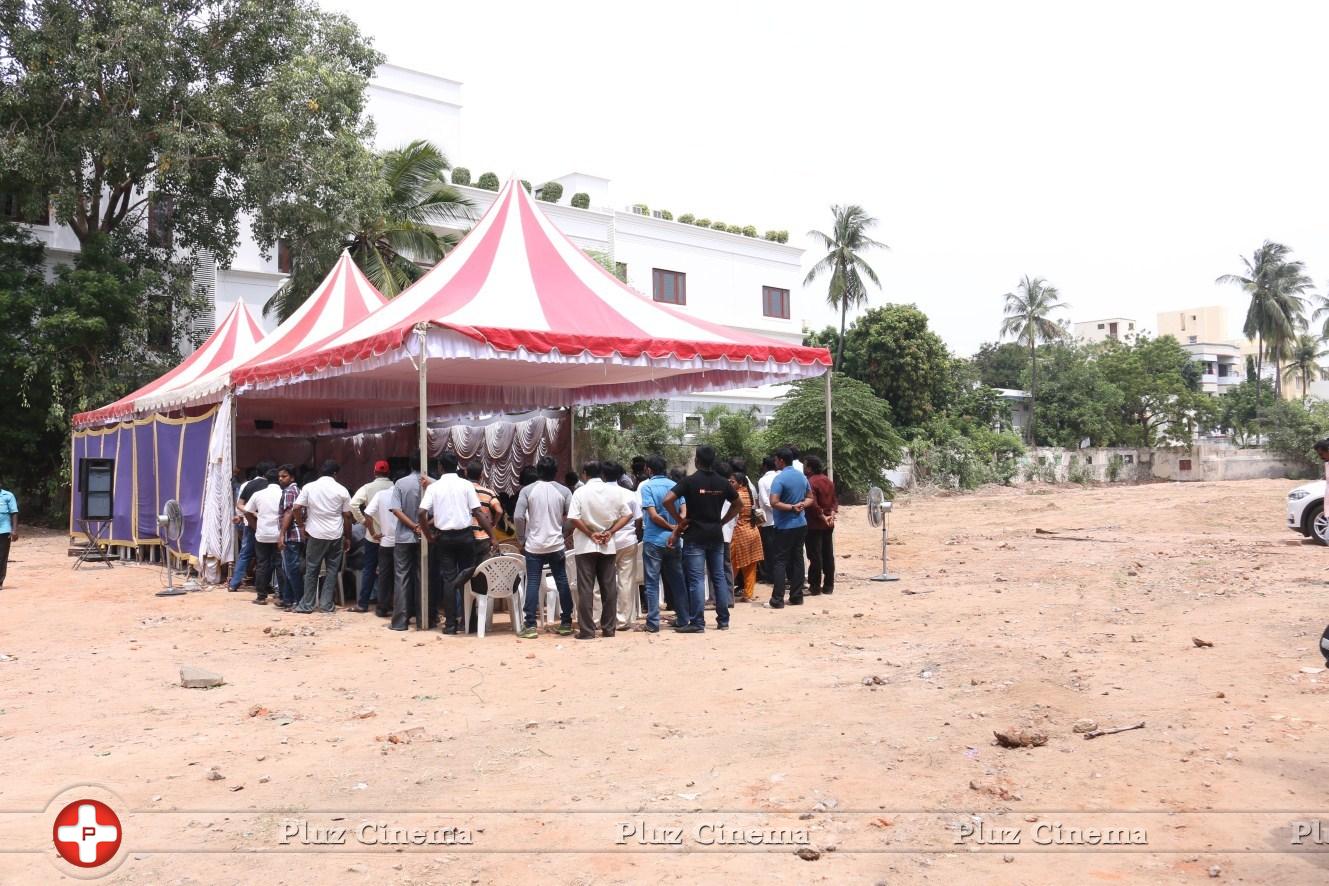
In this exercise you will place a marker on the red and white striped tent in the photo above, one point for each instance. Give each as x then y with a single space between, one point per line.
518 317
233 341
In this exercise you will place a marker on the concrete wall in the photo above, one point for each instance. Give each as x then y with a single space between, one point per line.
1203 462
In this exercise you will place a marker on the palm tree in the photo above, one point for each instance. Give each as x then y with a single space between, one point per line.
1029 321
1274 282
1304 358
396 243
848 238
1321 314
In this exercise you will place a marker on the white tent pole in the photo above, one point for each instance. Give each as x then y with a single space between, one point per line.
422 582
830 445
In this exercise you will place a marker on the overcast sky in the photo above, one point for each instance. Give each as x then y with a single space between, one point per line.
1127 152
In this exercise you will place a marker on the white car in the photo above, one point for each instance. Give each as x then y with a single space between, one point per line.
1305 511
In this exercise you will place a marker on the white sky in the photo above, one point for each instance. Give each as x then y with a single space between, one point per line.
1127 152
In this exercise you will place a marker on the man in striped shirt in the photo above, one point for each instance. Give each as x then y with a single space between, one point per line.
291 582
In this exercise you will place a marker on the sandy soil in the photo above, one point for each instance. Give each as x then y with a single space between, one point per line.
550 752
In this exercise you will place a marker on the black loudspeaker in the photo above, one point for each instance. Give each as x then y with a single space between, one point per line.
96 487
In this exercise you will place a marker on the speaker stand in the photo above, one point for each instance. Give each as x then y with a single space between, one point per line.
92 551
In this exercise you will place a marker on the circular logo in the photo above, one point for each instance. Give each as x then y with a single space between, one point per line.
87 833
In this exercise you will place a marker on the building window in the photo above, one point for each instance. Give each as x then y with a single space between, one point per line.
11 209
1192 339
1130 327
692 424
1100 325
283 256
775 302
1112 329
670 287
621 271
1184 464
160 210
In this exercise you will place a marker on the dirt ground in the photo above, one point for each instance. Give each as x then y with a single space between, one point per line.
573 762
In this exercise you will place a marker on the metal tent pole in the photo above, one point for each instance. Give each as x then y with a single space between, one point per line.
830 444
422 582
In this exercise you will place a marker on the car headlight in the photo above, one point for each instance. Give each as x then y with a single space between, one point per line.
1297 494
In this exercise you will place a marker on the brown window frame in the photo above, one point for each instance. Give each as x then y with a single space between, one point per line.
11 210
283 256
680 280
767 292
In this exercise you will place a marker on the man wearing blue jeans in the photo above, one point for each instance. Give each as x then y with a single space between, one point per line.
660 552
256 484
369 571
703 535
291 586
541 515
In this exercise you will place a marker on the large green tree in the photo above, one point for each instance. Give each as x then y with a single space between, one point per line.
1029 320
1160 397
892 349
1274 283
1078 402
207 109
389 232
619 431
843 261
1001 365
866 444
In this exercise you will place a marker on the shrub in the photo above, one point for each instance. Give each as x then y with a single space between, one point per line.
1078 472
773 236
550 192
527 185
461 176
719 226
687 218
782 236
733 229
1114 465
749 231
581 200
666 215
641 209
488 181
703 222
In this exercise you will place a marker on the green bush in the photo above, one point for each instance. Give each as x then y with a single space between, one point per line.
703 222
719 226
581 200
733 229
1114 466
461 176
687 218
666 215
1079 472
952 456
783 236
550 192
527 185
749 231
641 209
771 235
488 181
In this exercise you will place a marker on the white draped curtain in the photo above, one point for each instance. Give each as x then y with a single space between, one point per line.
503 445
218 537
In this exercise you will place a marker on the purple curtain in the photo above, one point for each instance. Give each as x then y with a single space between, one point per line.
122 522
192 472
145 458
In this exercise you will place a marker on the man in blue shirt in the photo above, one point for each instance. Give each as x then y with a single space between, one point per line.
790 495
8 528
660 554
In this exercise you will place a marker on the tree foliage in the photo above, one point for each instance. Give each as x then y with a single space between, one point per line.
1028 319
619 431
213 108
866 444
83 339
1002 365
843 262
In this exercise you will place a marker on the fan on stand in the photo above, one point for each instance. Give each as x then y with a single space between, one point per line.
171 525
879 507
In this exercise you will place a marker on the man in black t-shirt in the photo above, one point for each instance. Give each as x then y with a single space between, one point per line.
703 542
245 555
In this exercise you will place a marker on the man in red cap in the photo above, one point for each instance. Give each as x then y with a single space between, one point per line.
369 573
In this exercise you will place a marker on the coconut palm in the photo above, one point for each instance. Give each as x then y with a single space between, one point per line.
1321 314
1274 283
395 244
1303 361
844 262
1029 321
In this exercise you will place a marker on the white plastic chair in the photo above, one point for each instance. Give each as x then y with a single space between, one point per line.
505 579
553 607
509 549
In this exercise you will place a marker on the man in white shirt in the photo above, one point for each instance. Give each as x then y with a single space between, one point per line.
381 529
541 514
597 512
323 509
446 511
263 516
625 547
369 571
768 517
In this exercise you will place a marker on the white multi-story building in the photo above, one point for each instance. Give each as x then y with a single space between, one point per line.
1118 328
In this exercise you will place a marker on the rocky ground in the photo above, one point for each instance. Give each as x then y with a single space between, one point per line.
858 729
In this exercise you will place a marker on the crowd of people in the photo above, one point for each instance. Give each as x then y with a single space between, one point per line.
636 538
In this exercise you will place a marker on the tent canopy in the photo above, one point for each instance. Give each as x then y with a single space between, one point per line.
234 340
518 317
